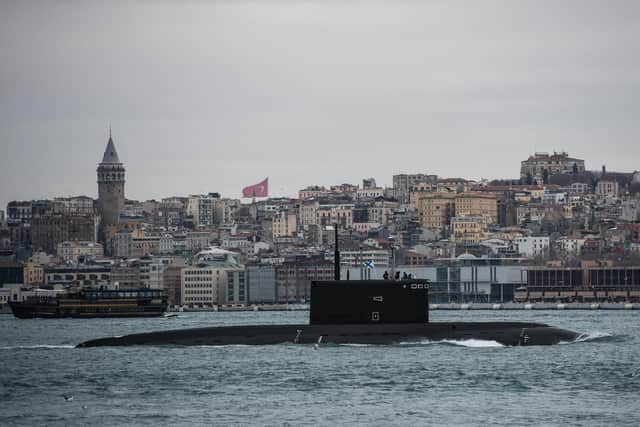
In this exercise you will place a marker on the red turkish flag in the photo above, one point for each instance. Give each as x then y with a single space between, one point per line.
260 189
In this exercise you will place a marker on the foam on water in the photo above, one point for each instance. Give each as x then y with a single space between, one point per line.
592 336
474 343
32 347
471 343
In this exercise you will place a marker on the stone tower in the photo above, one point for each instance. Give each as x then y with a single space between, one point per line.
110 187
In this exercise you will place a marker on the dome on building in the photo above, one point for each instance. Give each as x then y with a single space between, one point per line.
216 254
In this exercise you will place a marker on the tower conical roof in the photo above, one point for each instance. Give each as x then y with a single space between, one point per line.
110 153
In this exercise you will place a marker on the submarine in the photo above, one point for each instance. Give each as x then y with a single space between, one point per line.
377 312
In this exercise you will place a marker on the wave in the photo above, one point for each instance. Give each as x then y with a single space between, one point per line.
474 343
595 337
471 343
33 347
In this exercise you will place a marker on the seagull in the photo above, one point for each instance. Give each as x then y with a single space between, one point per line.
68 398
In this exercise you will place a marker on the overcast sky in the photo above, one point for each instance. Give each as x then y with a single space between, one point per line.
215 95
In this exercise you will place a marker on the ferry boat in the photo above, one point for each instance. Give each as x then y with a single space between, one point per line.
88 303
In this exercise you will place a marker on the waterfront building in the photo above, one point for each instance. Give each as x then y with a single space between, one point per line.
588 283
213 283
111 180
83 275
261 284
293 279
126 275
33 274
378 257
171 280
11 272
462 279
214 278
152 271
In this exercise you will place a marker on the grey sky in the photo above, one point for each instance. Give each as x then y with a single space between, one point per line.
212 96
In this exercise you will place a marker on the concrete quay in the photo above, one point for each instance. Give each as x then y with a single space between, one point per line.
261 307
537 306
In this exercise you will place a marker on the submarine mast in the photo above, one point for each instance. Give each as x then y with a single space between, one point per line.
336 255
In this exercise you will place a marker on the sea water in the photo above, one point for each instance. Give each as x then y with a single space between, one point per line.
595 381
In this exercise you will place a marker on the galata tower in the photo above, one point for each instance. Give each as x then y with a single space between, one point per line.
110 186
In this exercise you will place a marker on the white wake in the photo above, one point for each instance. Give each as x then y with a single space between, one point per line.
31 347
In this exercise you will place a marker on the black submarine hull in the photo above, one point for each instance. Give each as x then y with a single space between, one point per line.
505 333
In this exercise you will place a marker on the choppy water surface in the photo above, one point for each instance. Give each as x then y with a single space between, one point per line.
593 382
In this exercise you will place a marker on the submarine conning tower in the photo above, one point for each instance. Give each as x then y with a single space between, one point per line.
369 301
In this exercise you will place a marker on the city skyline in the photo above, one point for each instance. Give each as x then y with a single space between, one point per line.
427 88
384 183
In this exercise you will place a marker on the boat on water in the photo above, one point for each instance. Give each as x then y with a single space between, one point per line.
356 312
89 303
168 315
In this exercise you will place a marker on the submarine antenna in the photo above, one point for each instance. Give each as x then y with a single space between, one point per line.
336 255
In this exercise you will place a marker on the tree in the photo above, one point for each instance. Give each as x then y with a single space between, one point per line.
575 168
545 176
